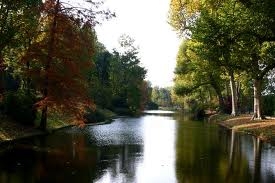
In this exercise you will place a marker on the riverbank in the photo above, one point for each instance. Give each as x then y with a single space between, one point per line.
11 130
263 129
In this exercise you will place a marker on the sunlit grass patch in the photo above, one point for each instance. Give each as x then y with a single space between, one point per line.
264 129
218 118
55 120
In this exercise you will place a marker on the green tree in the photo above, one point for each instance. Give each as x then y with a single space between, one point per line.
254 48
216 33
126 76
235 34
162 97
194 73
18 24
99 79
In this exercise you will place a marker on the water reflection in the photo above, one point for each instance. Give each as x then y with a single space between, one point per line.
203 155
151 148
226 156
69 162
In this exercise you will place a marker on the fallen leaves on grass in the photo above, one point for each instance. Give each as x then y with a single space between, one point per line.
264 129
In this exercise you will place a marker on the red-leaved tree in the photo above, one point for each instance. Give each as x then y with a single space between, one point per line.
60 58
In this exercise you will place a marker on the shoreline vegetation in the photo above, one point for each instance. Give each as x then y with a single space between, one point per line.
11 130
262 129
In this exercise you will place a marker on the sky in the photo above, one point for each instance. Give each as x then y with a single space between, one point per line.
146 22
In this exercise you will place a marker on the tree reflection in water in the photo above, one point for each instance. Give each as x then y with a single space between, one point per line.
151 148
206 156
69 162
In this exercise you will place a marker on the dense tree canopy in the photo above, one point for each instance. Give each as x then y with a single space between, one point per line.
233 37
127 76
52 62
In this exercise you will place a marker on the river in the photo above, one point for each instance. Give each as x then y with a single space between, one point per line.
149 149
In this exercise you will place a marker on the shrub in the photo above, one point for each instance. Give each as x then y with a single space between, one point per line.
152 106
196 109
20 107
94 116
269 105
124 111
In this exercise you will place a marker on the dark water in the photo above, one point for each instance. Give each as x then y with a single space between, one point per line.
152 148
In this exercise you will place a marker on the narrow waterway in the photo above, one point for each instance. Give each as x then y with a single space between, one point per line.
153 148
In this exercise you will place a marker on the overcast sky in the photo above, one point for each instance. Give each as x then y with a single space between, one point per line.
146 22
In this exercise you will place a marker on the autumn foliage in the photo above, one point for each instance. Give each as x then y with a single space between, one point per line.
59 59
56 61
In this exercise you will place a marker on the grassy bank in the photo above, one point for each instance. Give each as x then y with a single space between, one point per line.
264 129
11 130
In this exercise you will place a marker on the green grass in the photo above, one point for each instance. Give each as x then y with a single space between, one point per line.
55 120
11 130
216 118
108 114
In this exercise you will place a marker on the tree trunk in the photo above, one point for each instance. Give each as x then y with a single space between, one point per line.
43 122
234 110
228 92
28 80
2 75
257 99
217 89
220 97
44 116
231 148
257 146
221 103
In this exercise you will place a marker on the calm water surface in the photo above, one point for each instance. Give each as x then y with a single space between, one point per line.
152 148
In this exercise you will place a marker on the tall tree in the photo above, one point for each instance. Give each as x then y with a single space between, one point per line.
17 19
216 35
99 81
238 36
126 76
254 44
58 66
193 73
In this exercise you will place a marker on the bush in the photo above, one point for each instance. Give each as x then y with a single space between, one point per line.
124 111
152 106
20 107
269 105
196 109
94 116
